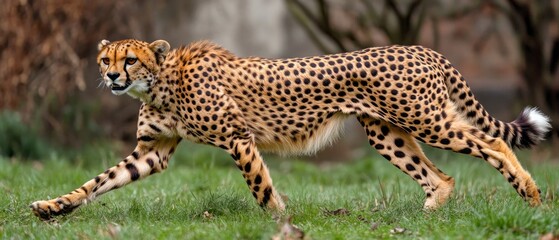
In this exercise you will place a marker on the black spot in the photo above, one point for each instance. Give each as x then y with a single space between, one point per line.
410 167
267 194
384 130
248 166
135 155
112 175
257 179
450 134
363 74
150 162
466 151
511 178
236 156
483 155
387 157
134 174
399 154
415 159
247 151
399 142
480 121
155 128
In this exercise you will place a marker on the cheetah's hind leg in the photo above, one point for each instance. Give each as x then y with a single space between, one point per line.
401 149
463 138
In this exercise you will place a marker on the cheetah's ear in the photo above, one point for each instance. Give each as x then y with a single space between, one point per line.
160 48
102 44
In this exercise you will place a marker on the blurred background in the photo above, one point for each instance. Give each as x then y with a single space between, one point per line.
51 99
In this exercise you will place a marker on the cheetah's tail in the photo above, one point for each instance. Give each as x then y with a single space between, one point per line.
529 128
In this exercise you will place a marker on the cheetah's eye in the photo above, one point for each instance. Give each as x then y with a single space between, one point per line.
106 61
130 61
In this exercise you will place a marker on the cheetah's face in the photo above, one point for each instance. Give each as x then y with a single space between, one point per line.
130 66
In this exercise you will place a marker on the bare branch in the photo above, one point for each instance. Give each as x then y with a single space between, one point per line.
412 9
302 18
392 5
323 6
334 36
371 14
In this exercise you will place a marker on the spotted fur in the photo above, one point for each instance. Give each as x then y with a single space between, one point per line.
399 94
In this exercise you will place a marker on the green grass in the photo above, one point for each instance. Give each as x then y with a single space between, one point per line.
172 204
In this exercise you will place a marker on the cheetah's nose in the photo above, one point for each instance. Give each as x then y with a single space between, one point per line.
113 75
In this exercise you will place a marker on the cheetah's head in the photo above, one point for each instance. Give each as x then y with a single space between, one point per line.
130 66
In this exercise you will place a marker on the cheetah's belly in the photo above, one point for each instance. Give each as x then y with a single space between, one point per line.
305 139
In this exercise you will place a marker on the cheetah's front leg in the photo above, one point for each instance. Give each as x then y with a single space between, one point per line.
141 163
248 159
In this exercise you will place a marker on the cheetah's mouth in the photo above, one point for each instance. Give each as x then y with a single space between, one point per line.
132 88
118 88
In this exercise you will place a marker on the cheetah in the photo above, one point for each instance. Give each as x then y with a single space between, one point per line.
205 94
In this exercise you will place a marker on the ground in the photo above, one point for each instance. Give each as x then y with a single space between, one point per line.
203 196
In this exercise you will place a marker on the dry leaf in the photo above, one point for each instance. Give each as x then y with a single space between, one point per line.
549 236
340 211
378 206
374 226
362 219
288 231
397 230
207 215
52 222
